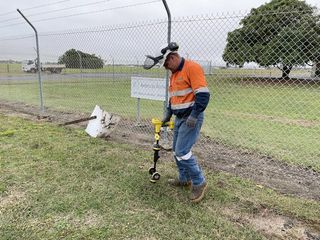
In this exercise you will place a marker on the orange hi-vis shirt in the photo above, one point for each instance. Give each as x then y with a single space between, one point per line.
188 90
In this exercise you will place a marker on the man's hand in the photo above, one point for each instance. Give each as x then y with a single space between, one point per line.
165 120
191 121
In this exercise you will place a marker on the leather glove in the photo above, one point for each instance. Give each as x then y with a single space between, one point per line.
191 121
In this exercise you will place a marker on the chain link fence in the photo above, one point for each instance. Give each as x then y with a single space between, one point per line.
265 101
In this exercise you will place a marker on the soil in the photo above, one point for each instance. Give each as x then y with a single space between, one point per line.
272 225
287 179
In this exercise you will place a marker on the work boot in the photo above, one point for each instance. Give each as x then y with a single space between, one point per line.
177 183
197 192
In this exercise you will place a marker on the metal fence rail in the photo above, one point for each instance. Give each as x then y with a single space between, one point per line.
253 108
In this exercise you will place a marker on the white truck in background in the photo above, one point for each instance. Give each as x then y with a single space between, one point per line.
31 66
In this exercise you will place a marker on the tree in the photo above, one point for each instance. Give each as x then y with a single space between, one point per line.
76 59
282 33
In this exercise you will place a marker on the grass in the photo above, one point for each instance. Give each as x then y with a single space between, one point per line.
10 68
272 72
59 183
281 121
15 69
278 120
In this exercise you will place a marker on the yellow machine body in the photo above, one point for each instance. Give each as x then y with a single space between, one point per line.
157 126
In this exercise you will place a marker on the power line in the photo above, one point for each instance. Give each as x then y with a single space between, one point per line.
58 10
16 38
84 13
46 5
38 6
97 11
86 30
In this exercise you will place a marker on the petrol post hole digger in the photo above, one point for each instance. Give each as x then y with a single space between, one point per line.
155 176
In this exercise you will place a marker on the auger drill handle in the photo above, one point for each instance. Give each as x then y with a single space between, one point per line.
158 124
169 124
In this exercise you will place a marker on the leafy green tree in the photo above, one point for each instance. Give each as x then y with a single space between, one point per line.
76 59
282 33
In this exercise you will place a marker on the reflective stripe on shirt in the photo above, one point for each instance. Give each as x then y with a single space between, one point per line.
182 105
181 92
202 89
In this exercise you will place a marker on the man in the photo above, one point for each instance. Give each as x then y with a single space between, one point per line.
189 97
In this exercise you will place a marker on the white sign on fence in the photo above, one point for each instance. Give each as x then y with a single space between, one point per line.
148 88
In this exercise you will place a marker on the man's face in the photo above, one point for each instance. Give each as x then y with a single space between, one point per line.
172 62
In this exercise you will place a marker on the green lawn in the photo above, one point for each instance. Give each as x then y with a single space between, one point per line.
272 72
10 68
58 183
279 120
15 68
282 121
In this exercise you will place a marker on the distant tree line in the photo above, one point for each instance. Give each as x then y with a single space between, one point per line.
77 59
9 61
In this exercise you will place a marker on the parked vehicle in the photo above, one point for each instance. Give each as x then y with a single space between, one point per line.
32 67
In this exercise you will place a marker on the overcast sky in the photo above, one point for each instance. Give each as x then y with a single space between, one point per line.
46 15
64 16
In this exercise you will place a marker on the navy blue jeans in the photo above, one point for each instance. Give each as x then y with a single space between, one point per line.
184 138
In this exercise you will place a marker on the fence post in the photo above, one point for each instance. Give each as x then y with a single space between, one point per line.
80 61
113 68
39 63
168 39
166 102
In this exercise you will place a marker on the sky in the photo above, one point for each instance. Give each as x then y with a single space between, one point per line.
61 16
45 16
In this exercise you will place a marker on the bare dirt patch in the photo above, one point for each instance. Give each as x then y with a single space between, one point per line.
89 220
264 170
274 226
13 197
283 120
